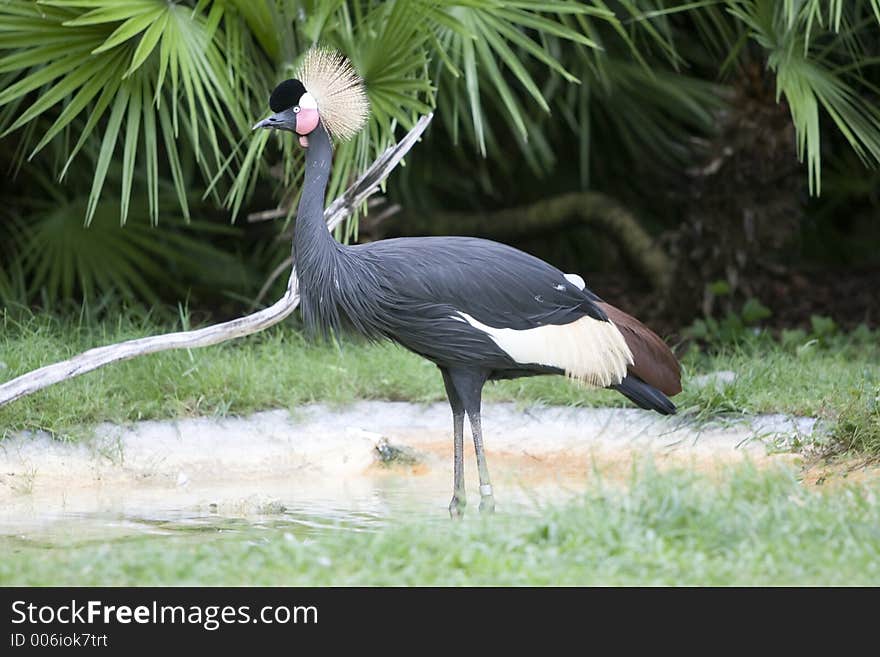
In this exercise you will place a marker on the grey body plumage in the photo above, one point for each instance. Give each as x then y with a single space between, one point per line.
478 309
410 289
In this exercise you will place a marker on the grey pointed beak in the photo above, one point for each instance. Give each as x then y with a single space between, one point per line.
265 123
285 120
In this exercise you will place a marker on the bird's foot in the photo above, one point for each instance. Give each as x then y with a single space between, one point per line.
456 506
487 499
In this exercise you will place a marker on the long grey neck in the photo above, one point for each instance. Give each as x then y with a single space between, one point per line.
312 242
335 283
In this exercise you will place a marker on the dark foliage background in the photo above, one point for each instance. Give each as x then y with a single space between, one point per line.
721 154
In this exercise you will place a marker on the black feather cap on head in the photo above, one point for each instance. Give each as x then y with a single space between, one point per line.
286 95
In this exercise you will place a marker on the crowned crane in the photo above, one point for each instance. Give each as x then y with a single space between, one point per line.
478 309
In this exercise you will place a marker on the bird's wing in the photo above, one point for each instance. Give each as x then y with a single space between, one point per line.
526 307
495 284
653 361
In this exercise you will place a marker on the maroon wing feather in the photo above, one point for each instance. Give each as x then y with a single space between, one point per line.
654 362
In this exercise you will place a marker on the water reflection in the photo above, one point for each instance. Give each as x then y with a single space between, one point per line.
303 509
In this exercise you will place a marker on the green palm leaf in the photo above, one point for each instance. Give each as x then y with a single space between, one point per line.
804 42
95 59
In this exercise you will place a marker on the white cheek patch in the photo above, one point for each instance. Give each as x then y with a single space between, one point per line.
589 350
576 280
307 101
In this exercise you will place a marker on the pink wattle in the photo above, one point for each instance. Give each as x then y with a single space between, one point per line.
306 121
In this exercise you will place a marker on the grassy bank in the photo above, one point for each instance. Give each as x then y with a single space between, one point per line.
829 377
752 527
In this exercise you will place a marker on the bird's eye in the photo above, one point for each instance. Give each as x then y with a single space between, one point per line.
296 110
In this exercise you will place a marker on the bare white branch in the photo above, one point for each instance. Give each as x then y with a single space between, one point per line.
358 193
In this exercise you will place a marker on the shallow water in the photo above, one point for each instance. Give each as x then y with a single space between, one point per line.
376 499
319 471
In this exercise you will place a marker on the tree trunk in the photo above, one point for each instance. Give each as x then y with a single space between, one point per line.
742 203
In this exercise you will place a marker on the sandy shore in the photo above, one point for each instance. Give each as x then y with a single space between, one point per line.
324 459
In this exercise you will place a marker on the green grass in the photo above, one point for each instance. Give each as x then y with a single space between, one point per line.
858 425
279 368
751 528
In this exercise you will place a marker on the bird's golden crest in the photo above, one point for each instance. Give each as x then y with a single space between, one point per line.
337 89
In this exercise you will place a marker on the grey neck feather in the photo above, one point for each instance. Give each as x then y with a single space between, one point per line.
335 285
312 240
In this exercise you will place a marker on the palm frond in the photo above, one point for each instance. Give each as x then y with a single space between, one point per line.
491 44
805 43
117 64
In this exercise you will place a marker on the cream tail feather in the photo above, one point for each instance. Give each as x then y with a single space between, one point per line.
589 350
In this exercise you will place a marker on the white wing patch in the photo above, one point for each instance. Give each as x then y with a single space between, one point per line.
576 280
589 350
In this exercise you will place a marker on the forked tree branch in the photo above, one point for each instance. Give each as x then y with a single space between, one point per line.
92 359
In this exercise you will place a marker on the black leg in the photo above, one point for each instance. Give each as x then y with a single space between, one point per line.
469 385
459 497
